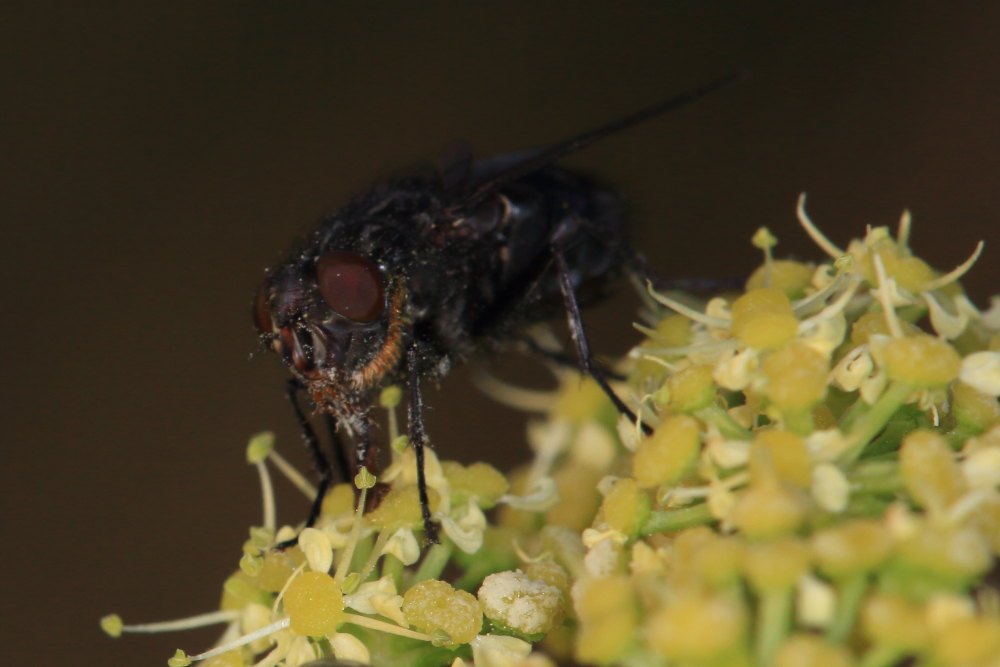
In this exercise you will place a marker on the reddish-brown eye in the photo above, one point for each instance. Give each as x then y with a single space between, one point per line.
351 285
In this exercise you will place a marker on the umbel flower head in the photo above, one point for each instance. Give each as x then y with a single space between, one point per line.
821 487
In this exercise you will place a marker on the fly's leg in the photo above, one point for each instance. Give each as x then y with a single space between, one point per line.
576 330
320 461
418 440
337 447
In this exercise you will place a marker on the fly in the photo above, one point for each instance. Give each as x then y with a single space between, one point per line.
421 273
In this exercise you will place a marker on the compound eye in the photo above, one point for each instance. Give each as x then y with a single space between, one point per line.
351 285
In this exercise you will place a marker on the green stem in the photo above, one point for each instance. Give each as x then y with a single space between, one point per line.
862 505
668 520
850 593
715 415
393 567
774 613
876 477
873 421
433 564
850 417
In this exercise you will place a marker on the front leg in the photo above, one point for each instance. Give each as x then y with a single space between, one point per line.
418 440
579 335
320 462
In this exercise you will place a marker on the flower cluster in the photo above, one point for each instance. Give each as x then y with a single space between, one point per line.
821 487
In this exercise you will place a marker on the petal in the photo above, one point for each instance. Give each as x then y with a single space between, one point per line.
981 370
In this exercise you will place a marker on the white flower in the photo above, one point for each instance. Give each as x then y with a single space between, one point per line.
981 371
593 446
945 608
404 469
300 651
467 531
646 559
728 453
521 603
736 369
378 597
403 545
816 602
830 487
982 468
946 325
823 334
604 556
826 445
856 366
541 497
348 647
499 651
315 544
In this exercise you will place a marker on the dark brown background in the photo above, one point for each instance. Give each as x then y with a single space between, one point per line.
156 156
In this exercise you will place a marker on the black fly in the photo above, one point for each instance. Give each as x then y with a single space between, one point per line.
414 277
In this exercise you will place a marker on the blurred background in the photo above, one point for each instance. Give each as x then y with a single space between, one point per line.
157 156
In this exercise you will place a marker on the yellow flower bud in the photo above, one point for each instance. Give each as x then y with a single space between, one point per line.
974 409
669 454
776 565
698 628
275 571
691 388
855 546
778 452
763 318
625 506
607 612
580 399
720 560
674 330
315 604
911 273
874 323
941 555
809 650
792 278
338 500
929 470
890 619
969 641
479 480
796 377
401 507
228 659
579 499
769 509
434 606
921 360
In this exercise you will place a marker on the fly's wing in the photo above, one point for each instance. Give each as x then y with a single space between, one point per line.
536 160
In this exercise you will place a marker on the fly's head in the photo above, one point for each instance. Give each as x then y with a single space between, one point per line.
336 320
